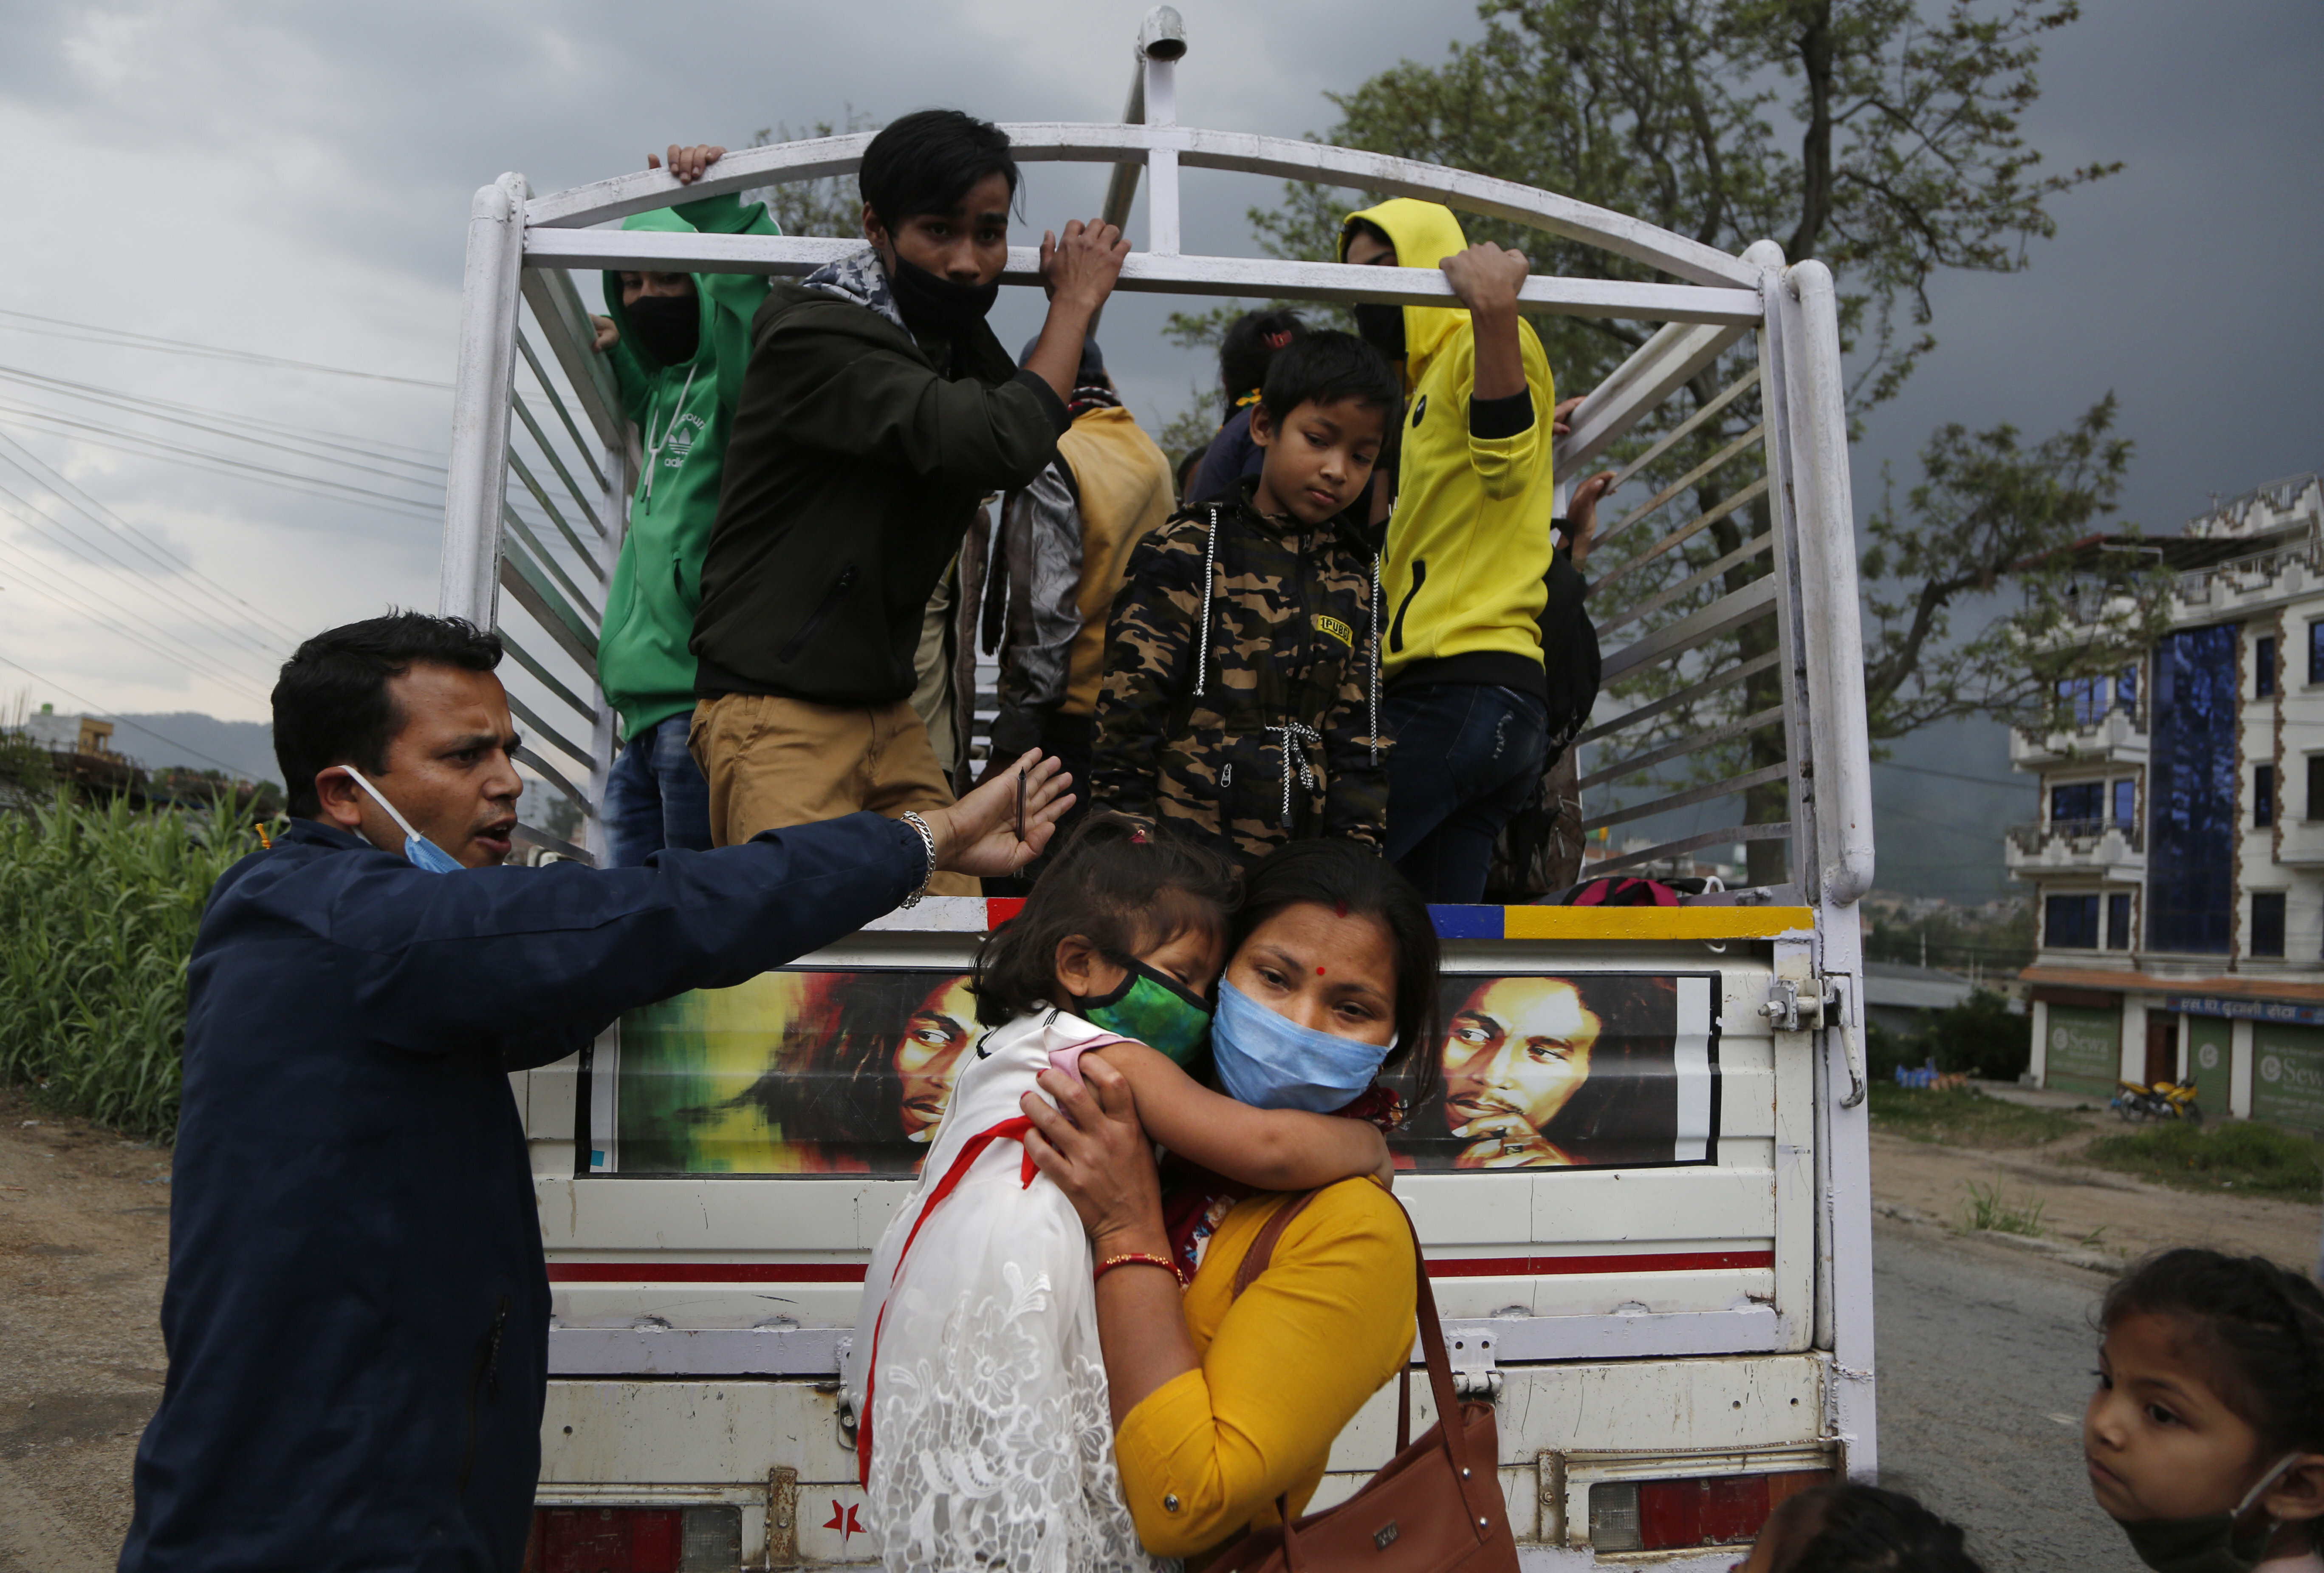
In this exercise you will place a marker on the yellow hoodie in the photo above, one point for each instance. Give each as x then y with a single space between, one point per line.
1469 543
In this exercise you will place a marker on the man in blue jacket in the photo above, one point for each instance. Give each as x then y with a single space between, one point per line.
357 1309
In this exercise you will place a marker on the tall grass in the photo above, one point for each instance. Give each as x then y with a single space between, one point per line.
99 906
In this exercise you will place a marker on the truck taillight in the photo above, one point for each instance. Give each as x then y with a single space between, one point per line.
1709 1510
636 1540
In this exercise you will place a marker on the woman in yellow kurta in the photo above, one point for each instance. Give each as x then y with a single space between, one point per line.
1223 1403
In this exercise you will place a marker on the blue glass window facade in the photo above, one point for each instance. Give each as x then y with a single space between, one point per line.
2070 924
2081 699
2267 923
2126 808
2126 688
2316 653
2118 921
2077 801
2192 793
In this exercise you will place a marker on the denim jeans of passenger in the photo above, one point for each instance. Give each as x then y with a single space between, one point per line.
655 796
1467 756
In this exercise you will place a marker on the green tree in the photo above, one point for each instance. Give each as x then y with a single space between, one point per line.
832 206
1862 133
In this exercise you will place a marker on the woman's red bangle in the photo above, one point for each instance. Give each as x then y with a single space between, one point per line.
1143 1258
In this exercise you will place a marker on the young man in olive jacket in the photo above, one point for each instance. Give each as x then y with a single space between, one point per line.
877 411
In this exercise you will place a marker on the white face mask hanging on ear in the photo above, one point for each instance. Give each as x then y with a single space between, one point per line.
422 852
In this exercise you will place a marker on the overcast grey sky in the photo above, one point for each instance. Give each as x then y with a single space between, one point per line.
293 180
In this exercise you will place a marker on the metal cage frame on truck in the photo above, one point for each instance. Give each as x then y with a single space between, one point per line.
551 543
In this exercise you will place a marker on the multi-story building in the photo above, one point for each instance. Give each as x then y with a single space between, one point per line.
2178 866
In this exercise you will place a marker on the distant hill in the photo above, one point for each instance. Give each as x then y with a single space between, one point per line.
191 740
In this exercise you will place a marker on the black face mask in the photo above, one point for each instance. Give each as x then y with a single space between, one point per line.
933 304
668 327
1381 326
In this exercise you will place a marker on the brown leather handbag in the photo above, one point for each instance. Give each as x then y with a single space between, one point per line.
1434 1508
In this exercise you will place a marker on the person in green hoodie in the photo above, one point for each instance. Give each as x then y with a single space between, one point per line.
679 344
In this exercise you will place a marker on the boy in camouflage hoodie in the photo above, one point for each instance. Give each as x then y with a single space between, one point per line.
1241 699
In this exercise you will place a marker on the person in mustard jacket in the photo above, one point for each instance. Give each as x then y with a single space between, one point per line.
1468 547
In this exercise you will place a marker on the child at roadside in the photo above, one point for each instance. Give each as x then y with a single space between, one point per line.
1251 342
677 344
985 1436
2205 1437
1240 703
1856 1528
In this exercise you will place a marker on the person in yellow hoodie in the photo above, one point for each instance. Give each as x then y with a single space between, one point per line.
1468 547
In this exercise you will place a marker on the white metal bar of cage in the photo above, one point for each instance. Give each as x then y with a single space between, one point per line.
1807 426
1245 152
1148 272
476 485
1654 371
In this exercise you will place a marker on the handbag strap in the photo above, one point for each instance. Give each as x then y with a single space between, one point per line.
1432 1336
1255 1259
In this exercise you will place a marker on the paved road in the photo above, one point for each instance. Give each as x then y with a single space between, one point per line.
1984 1356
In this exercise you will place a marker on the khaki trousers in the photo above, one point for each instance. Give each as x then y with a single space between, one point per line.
773 762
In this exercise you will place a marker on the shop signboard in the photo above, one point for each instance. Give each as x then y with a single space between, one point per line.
2288 1075
2209 1040
2085 1049
2285 1011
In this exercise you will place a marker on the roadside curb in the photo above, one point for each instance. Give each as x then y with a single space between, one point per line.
2056 1250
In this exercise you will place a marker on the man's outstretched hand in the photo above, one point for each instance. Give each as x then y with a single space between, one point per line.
978 834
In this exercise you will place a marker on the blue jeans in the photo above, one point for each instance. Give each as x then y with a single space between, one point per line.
1467 756
656 796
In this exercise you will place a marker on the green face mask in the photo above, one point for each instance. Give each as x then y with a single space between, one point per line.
1156 1010
2211 1543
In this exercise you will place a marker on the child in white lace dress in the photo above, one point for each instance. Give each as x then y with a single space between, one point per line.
983 1432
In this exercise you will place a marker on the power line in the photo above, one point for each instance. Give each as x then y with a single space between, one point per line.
123 338
98 514
191 660
144 584
40 412
161 446
327 438
1947 774
235 769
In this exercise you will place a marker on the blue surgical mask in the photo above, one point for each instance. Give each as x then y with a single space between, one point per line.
422 852
1270 1061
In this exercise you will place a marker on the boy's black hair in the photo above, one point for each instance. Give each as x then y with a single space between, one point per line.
928 162
2259 1326
1187 468
1355 226
331 703
1865 1529
1356 882
1251 343
1124 888
1323 366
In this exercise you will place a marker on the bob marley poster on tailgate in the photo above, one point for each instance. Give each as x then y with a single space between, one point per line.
848 1072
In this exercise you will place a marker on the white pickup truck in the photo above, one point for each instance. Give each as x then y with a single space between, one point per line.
1668 1295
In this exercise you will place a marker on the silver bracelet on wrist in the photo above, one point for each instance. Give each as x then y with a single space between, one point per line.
928 840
